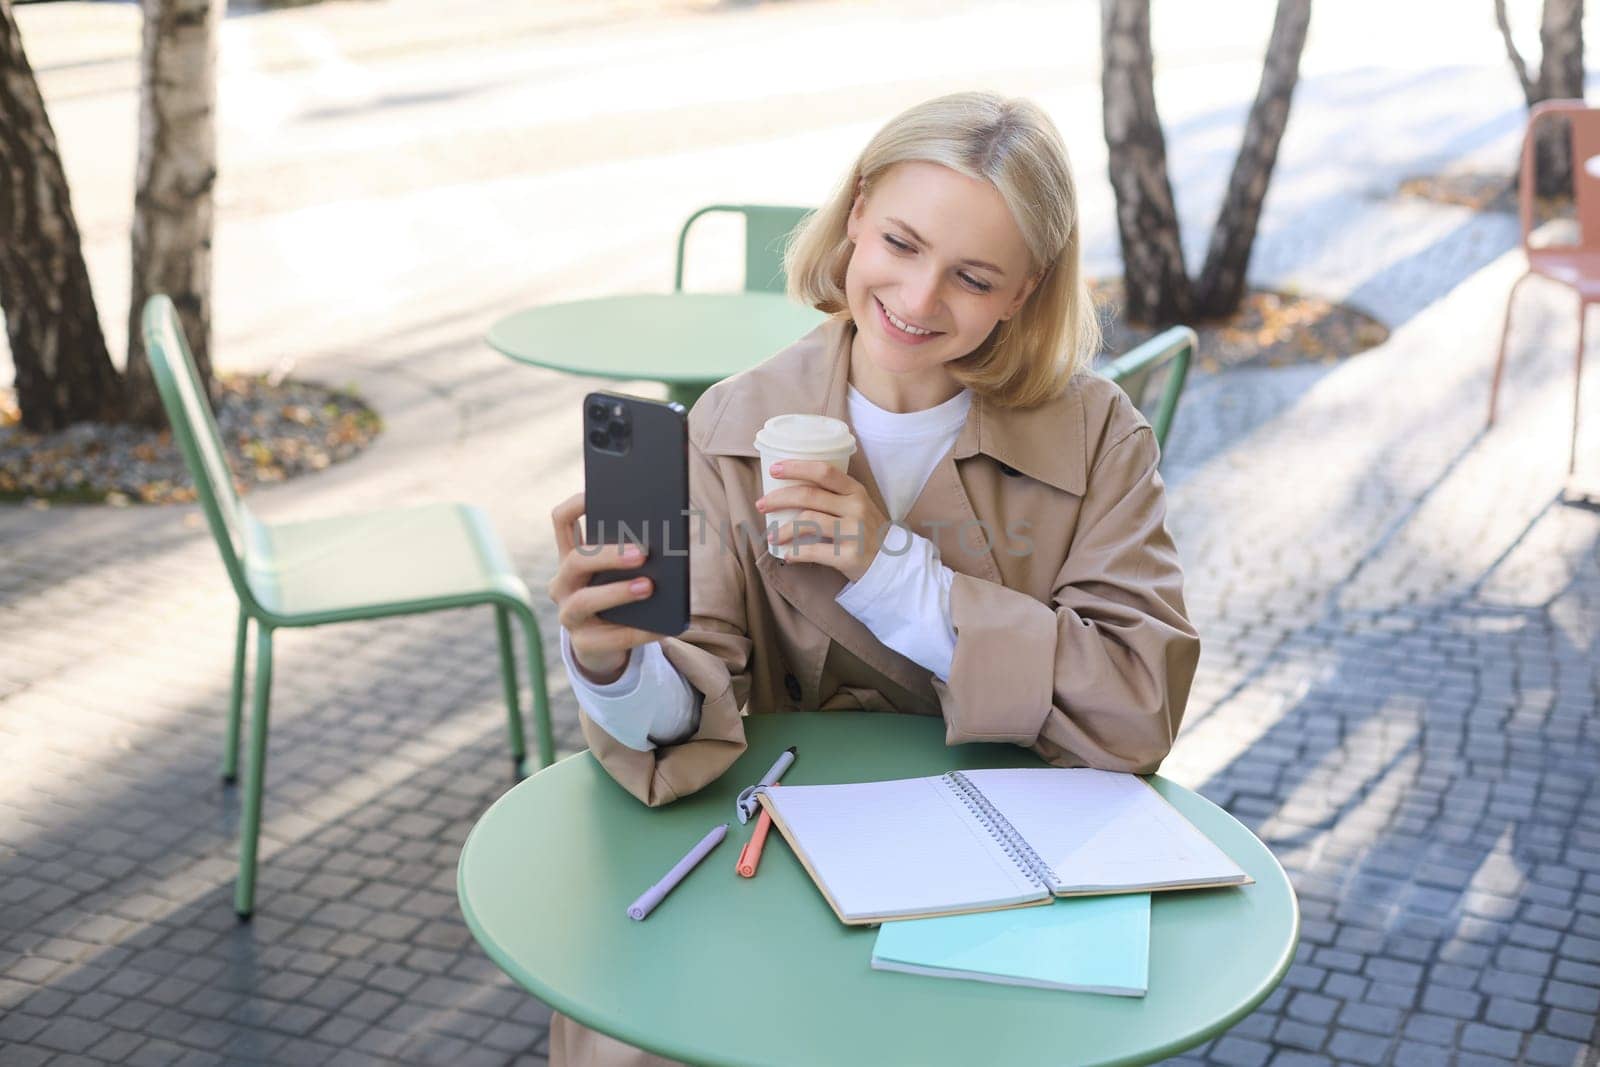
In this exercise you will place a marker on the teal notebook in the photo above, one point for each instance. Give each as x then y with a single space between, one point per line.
1088 944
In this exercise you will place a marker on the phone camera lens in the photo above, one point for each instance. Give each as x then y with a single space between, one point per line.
597 411
618 428
598 438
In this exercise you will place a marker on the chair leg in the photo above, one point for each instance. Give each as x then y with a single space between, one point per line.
1500 359
508 675
244 894
1577 387
538 685
230 752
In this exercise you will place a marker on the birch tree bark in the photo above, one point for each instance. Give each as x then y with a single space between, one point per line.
1157 284
63 372
1155 280
177 173
1560 77
1222 279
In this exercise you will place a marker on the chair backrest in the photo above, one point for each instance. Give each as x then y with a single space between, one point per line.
1585 143
1153 375
766 233
194 430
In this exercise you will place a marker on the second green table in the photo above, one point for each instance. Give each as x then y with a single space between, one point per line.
689 341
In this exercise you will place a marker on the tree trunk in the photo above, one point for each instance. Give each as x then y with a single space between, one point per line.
1156 283
1518 64
1222 279
1560 77
172 218
63 372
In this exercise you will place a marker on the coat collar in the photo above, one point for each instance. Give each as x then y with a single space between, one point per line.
813 374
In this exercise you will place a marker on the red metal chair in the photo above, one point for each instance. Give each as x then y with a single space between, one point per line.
1576 266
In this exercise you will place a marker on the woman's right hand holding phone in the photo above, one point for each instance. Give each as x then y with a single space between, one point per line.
601 648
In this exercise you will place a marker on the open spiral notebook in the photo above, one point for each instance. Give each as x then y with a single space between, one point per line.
981 840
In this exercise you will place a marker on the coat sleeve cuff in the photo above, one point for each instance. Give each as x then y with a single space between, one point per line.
661 775
997 625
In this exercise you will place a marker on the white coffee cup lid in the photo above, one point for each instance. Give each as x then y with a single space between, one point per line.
806 434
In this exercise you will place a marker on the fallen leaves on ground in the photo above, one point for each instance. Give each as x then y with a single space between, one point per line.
270 432
1484 192
1270 329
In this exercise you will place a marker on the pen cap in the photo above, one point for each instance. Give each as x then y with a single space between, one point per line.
746 805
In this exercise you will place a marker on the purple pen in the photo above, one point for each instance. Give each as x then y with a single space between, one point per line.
651 897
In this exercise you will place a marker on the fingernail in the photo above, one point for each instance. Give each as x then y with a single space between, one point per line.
630 552
639 585
777 468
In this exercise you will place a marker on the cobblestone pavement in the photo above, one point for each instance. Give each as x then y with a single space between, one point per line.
1397 691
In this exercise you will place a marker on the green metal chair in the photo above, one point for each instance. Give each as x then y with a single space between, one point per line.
368 566
766 230
1161 361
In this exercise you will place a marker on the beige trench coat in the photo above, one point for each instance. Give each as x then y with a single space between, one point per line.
1071 633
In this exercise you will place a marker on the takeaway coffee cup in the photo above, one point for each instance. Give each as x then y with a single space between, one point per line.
800 437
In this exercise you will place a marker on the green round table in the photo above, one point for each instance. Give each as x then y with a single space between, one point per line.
690 341
729 970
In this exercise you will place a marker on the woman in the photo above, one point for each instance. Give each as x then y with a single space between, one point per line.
997 553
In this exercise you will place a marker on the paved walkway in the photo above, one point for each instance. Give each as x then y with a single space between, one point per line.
1397 690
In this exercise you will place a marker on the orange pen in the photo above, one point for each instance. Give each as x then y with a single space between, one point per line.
750 856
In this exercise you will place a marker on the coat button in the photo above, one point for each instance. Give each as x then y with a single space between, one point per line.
791 685
1009 471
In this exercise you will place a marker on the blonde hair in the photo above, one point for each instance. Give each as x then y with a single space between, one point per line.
1012 144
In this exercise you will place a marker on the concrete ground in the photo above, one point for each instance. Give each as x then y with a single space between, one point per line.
1400 612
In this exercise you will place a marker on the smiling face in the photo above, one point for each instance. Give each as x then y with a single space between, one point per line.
938 260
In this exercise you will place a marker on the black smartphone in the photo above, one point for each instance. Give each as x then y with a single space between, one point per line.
636 490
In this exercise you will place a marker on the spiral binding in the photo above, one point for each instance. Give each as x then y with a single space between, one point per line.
1000 828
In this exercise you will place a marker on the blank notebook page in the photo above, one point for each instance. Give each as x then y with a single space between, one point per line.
1101 829
899 848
